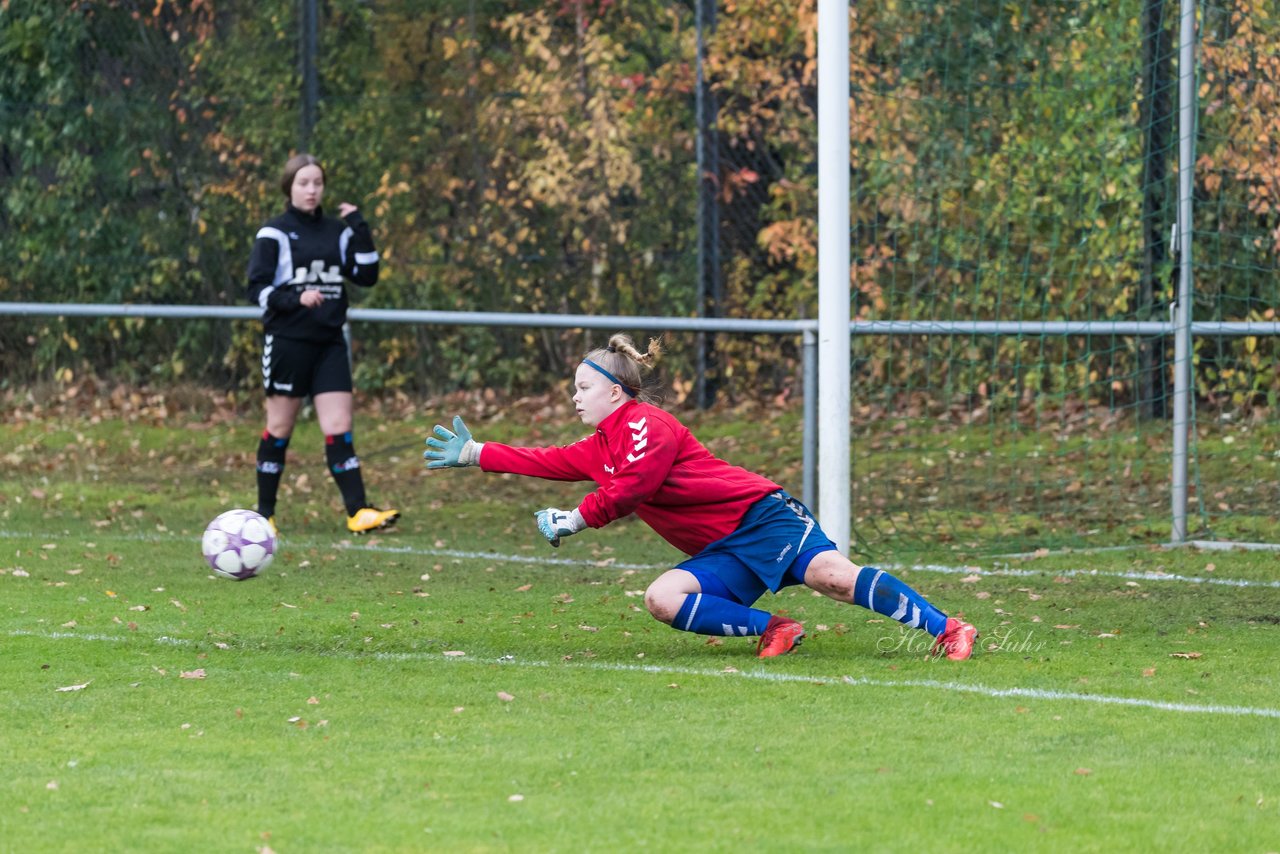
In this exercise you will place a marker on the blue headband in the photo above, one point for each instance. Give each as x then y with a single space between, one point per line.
628 389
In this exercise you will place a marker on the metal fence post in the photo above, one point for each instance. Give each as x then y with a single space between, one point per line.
809 348
707 293
308 47
1182 308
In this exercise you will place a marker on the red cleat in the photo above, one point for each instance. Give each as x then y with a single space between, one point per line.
780 636
956 640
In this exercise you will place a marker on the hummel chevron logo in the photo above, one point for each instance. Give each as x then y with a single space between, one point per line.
639 437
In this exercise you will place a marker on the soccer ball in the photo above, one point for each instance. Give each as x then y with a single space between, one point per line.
239 544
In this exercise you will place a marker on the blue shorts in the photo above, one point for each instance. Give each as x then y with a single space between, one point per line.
770 549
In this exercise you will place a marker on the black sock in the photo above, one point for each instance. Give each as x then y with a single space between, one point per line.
270 469
344 465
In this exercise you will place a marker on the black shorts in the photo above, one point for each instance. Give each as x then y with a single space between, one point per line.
296 368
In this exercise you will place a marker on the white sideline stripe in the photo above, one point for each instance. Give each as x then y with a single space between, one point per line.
999 572
502 558
410 550
1007 572
762 675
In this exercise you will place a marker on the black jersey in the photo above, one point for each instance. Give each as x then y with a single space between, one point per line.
298 251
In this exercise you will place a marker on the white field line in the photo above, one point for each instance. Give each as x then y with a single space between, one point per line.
761 675
1009 572
608 563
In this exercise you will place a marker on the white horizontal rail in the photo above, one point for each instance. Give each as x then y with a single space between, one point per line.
1218 329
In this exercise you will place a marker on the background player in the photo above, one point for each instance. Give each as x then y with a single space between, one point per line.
297 273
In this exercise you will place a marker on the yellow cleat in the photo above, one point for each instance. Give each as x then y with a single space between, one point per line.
369 519
271 523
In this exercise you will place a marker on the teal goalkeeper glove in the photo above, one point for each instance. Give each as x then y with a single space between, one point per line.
554 524
457 450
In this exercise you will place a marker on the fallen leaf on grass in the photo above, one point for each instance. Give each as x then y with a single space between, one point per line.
74 687
505 697
192 674
1186 655
453 653
524 588
1083 772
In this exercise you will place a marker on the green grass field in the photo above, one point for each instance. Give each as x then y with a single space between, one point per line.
457 685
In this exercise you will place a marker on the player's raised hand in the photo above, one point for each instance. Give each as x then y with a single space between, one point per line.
452 448
555 524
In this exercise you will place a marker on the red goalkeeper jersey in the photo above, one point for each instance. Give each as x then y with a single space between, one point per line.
648 463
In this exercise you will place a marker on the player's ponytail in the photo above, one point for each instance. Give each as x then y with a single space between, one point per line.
628 365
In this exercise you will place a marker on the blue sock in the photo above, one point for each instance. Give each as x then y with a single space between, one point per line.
713 615
884 594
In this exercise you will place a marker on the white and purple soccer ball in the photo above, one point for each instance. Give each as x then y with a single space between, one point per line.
239 544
